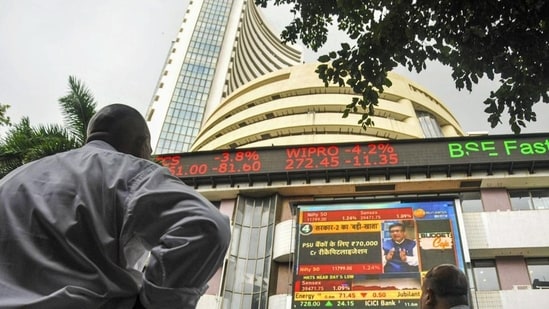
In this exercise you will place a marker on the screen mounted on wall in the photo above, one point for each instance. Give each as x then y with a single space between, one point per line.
371 255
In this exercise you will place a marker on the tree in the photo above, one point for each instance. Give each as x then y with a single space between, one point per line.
4 119
24 143
504 39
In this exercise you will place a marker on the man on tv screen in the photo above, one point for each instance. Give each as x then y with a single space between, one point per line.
400 253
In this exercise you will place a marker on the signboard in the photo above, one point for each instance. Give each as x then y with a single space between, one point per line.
370 255
370 155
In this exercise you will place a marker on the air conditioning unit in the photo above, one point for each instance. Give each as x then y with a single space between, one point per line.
522 287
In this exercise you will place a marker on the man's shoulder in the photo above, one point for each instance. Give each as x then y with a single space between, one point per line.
106 152
103 155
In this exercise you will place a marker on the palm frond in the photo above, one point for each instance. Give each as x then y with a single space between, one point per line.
77 107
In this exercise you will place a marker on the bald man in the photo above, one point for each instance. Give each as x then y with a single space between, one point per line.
77 228
445 287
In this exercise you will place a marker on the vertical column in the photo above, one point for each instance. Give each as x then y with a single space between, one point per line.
495 199
512 271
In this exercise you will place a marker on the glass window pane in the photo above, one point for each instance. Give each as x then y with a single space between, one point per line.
253 244
540 199
486 277
249 277
262 242
520 200
266 270
244 242
235 239
271 212
269 242
229 279
471 202
264 299
257 302
265 215
538 269
246 301
429 124
248 212
239 276
258 278
257 215
239 213
227 297
236 301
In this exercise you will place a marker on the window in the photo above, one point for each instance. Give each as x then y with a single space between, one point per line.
520 200
529 199
538 268
471 202
429 124
248 270
540 199
485 274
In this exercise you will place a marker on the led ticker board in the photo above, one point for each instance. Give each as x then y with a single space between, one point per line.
369 155
345 253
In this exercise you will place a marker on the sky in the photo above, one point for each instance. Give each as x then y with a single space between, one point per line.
117 48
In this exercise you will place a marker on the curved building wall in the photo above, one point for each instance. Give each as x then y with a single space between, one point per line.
220 46
258 51
292 106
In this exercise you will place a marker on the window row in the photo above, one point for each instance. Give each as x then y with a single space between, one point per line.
201 85
519 199
486 275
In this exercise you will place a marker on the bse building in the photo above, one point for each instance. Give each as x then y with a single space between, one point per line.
314 198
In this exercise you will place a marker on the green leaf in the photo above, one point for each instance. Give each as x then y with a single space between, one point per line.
324 58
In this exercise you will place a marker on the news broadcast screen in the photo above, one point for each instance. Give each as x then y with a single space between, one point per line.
370 255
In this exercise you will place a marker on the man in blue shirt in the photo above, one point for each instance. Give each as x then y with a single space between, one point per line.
399 253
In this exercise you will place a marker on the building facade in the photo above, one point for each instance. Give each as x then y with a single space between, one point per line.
221 45
280 141
292 106
498 184
266 137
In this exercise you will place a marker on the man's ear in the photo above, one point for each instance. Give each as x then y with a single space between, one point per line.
145 151
430 298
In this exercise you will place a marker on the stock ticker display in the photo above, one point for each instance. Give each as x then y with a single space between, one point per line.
341 249
369 155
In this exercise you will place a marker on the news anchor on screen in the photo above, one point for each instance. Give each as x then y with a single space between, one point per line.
399 253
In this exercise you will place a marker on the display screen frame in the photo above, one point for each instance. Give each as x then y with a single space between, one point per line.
334 288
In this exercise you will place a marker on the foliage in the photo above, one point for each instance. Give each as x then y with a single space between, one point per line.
4 119
24 144
78 106
504 39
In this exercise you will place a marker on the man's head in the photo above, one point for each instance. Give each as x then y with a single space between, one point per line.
397 231
444 286
122 127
